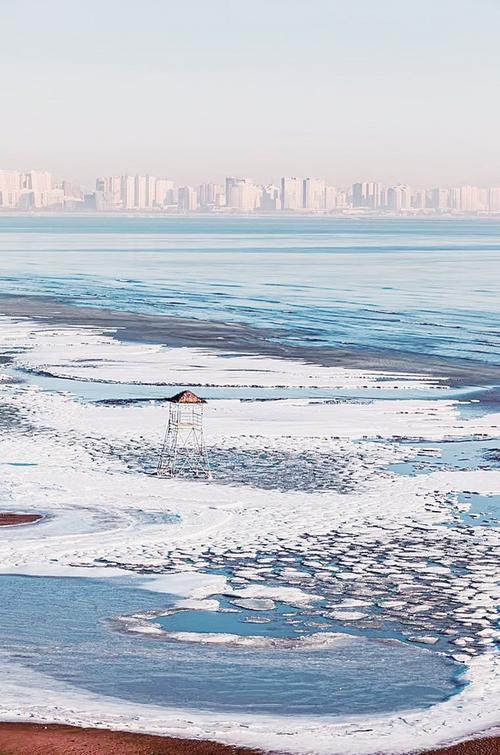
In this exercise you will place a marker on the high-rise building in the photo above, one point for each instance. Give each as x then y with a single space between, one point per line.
419 199
108 192
127 191
331 198
467 199
439 199
270 198
163 190
373 195
454 198
10 188
314 194
291 193
187 199
72 191
494 199
211 195
399 198
366 195
357 195
342 199
36 187
150 192
240 194
140 192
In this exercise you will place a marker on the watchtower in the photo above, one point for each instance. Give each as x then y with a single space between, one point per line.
184 452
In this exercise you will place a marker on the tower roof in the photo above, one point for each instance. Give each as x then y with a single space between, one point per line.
186 397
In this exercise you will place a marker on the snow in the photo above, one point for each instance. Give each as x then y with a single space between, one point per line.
87 354
95 499
254 604
293 595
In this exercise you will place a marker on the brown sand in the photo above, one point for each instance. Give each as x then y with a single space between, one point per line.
37 739
7 519
487 746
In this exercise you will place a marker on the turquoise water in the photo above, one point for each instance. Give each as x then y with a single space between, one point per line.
424 286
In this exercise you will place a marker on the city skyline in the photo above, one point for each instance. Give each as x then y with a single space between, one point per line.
193 90
39 190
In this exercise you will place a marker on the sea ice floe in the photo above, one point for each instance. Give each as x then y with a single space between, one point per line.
255 604
292 595
318 641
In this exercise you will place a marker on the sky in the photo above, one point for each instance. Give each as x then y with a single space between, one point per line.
389 90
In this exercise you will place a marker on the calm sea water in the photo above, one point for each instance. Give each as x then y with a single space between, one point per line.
427 286
355 677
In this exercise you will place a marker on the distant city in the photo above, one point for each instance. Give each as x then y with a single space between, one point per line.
39 190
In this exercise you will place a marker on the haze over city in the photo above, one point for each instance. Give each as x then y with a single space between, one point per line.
403 92
39 190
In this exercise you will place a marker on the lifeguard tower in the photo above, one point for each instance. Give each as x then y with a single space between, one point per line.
184 453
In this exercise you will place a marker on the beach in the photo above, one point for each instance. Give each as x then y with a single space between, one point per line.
38 739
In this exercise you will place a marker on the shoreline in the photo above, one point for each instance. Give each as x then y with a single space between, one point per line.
21 738
350 213
238 338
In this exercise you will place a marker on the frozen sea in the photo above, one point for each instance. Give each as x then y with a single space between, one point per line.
403 640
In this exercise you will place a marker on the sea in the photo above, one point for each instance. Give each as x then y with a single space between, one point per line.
424 286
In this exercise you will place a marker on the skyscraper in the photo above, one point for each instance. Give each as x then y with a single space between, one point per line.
110 194
472 199
270 198
331 198
240 194
10 188
128 192
357 195
150 192
366 194
439 199
494 199
314 194
399 198
187 199
140 192
37 186
291 193
163 189
211 195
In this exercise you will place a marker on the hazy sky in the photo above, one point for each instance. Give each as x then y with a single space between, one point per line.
196 89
